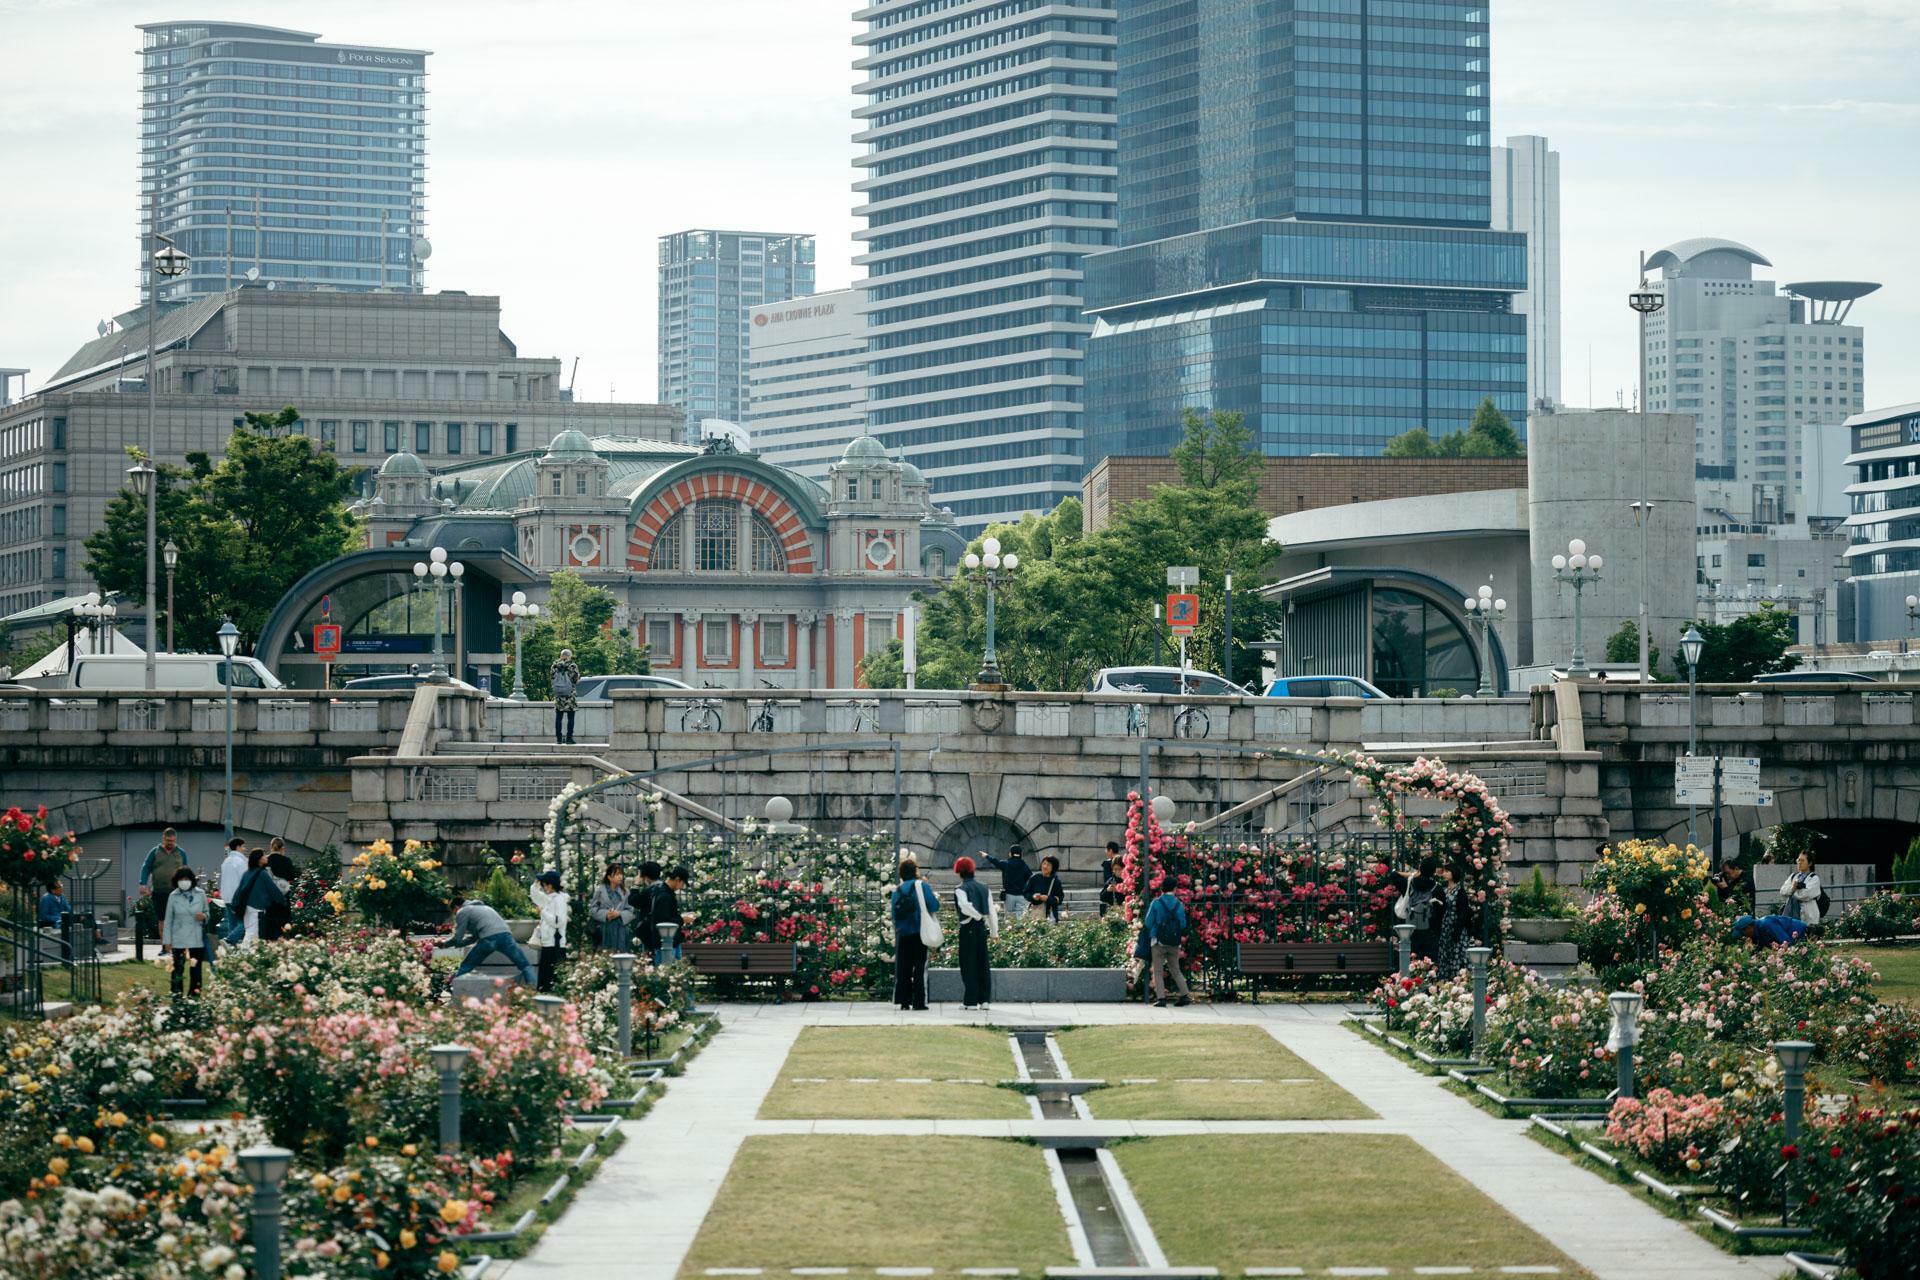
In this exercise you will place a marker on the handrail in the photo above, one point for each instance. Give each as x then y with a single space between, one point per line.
1265 798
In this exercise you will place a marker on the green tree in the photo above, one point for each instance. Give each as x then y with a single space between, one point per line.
1492 426
249 526
1488 435
1081 602
1414 443
579 617
21 649
1737 651
1624 646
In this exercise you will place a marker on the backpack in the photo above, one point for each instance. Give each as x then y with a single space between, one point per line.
1824 903
1167 929
562 685
1420 909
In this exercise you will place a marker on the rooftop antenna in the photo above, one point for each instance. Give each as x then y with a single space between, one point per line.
573 377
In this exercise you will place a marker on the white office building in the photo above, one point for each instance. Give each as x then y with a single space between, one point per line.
806 380
1757 365
1526 198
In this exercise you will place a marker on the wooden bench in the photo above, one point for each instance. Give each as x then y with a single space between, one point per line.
742 959
1360 960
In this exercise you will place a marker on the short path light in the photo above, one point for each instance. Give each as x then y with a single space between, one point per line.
553 1006
1404 932
1794 1056
449 1060
623 967
265 1168
1477 958
1625 1031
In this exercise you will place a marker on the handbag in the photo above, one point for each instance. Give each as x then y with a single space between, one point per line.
931 934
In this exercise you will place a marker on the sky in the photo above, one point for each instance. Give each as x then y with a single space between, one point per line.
566 136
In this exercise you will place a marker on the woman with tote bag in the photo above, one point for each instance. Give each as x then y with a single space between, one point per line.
916 932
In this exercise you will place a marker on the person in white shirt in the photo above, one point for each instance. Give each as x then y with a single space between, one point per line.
978 922
1801 892
233 868
556 909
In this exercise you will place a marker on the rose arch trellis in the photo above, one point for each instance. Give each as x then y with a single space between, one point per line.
1274 886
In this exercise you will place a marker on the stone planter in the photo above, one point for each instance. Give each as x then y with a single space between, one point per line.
523 930
1068 986
1540 931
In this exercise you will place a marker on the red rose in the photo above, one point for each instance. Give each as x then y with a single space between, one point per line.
1790 1152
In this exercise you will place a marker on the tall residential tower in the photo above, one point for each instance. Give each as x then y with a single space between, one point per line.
988 148
266 149
1526 198
1304 209
708 282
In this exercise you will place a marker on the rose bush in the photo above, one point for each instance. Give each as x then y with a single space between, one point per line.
1550 1041
31 857
1856 1183
1078 942
394 890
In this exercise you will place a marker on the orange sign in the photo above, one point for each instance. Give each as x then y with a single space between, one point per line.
326 641
1183 612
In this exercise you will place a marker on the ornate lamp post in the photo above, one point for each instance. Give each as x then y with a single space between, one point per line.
1691 645
1581 570
517 614
100 615
170 554
168 262
1913 615
445 574
1482 612
229 645
991 569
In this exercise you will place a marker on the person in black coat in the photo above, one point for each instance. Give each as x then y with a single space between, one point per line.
1014 874
256 895
645 936
666 910
1110 877
1044 889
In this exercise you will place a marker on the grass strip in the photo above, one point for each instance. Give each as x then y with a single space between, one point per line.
841 1055
1219 1054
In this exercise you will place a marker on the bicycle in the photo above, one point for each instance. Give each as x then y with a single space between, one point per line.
763 723
866 717
1136 712
1188 720
701 716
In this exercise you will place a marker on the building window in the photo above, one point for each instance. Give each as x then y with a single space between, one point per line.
873 488
1756 560
936 562
59 522
485 430
773 641
716 537
666 547
513 437
768 555
360 436
59 477
660 639
453 437
59 564
556 484
716 638
390 436
423 437
879 632
580 483
329 434
59 433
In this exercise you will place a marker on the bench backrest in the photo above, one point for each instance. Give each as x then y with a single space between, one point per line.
742 957
1316 957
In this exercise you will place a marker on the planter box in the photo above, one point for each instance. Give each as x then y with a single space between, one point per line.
523 930
1540 930
1040 986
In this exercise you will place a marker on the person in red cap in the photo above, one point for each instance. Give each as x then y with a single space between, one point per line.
977 921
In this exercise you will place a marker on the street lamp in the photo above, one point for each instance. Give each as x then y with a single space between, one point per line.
101 613
993 570
517 614
445 574
1482 612
1643 520
1581 570
1692 643
449 1060
229 645
1645 300
1913 614
170 554
168 262
1623 1034
265 1168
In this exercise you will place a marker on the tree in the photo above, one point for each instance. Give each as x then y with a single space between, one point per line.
1737 651
1081 602
1489 435
1415 443
1492 425
272 509
579 617
1624 646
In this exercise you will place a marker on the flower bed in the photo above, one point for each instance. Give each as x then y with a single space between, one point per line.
395 890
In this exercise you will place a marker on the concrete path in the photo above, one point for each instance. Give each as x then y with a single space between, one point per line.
638 1217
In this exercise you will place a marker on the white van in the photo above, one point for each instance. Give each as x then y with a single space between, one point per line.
172 673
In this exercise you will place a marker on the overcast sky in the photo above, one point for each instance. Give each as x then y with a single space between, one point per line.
565 136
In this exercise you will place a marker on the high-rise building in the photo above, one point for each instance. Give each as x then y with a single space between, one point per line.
708 281
1526 198
1755 367
988 142
806 380
266 149
1304 209
1884 560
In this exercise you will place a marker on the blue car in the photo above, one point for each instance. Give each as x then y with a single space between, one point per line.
1322 687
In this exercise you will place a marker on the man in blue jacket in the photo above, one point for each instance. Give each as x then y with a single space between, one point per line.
1014 874
1770 931
1165 929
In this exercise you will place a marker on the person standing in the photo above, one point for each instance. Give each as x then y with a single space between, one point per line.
564 676
609 911
156 874
977 924
646 938
233 869
282 871
1454 907
1044 889
1110 877
910 898
666 910
257 892
556 910
1014 874
490 935
183 929
1415 906
1800 893
1165 930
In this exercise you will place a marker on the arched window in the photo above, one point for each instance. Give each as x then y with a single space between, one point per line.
716 537
937 562
768 555
666 547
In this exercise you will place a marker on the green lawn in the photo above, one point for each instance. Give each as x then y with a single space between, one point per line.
839 1056
860 1202
1227 1058
1318 1201
115 979
1899 970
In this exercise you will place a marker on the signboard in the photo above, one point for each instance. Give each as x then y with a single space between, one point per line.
1183 612
326 641
1181 577
1739 781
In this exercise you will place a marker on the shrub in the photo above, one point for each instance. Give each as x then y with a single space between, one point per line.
1079 942
1883 915
1550 1040
589 980
1538 899
343 969
1858 1185
1664 885
396 890
1668 1130
309 902
506 895
31 857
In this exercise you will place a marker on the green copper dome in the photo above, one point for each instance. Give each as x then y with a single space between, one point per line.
403 464
864 449
570 444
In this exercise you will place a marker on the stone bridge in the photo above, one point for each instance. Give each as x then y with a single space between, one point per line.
1575 764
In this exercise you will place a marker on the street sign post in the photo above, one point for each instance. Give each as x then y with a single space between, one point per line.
1183 612
1718 781
326 647
1182 577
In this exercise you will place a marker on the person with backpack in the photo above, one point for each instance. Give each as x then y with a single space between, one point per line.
1110 877
1165 930
564 677
1416 906
913 900
1801 894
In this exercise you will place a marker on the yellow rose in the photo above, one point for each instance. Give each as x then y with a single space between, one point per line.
410 1150
342 1194
118 1119
453 1212
372 1141
158 1141
407 1238
448 1261
57 1165
83 1145
379 1259
62 1140
321 1182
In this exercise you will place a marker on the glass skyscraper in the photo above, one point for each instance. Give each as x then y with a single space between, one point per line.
266 149
988 134
1303 215
709 280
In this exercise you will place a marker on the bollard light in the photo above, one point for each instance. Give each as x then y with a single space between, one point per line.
448 1060
623 966
1623 1035
1794 1055
1404 932
1163 809
265 1168
552 1006
1477 958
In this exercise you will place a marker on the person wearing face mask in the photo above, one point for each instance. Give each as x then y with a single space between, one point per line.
184 931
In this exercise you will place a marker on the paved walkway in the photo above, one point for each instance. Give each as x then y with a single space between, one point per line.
638 1217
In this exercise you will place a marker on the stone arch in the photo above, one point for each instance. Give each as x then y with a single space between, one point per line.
761 497
974 833
309 832
1835 795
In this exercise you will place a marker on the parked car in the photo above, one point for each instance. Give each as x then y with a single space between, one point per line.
405 680
1322 687
1163 680
1816 677
172 673
602 688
